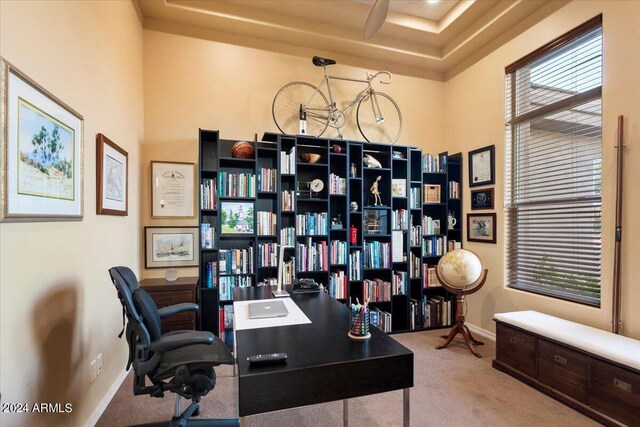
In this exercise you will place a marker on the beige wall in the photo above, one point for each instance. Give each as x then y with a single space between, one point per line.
59 309
474 111
194 83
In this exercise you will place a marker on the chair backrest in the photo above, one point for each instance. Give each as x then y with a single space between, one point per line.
141 311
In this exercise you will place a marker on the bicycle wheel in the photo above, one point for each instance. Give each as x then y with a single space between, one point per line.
379 118
286 109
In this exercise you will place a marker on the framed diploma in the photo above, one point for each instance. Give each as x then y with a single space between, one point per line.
482 166
172 190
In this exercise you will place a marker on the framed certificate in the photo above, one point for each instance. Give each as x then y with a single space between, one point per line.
172 190
482 166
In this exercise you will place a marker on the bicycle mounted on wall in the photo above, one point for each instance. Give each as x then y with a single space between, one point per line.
377 114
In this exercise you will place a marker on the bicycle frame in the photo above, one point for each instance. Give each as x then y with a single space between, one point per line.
311 112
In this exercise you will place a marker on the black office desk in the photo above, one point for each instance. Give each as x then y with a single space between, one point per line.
323 364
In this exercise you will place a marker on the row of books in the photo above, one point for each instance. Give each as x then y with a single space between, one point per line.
376 290
355 265
211 274
268 281
312 224
228 283
338 252
267 179
377 254
454 190
436 311
454 244
312 256
380 319
235 261
237 184
434 246
415 264
415 236
287 199
267 254
433 163
415 198
288 236
399 283
429 278
337 284
399 219
288 161
430 226
267 223
208 194
337 185
207 231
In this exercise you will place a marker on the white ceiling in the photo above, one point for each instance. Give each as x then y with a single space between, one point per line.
418 38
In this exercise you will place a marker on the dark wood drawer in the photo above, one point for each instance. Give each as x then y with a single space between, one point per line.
167 298
615 392
563 369
516 349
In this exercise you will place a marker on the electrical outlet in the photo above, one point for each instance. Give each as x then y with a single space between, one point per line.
99 361
94 370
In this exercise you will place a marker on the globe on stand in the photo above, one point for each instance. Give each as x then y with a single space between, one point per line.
460 271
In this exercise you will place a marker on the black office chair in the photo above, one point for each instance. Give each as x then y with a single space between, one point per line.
180 361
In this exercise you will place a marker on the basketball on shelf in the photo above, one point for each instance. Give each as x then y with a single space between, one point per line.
242 150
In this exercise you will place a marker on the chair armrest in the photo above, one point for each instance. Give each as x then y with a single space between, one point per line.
177 308
183 339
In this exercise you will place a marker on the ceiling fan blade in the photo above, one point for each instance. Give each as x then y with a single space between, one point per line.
376 18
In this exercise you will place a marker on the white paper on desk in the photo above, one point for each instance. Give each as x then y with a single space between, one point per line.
242 321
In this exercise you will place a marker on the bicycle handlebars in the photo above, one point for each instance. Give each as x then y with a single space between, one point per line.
372 76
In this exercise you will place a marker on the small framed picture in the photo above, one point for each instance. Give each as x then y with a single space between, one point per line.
482 199
167 247
236 217
42 152
111 178
481 228
172 190
482 166
399 187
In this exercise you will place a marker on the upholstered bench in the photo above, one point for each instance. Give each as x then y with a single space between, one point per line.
594 371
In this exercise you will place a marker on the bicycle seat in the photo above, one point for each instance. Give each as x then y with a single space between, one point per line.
322 62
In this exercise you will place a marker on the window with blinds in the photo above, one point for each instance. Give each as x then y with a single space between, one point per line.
553 170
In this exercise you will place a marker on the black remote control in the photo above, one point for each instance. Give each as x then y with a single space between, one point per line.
267 359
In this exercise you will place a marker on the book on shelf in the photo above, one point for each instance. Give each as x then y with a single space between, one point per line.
268 281
380 319
415 314
312 256
430 226
454 244
431 193
434 246
267 254
207 231
397 246
429 278
235 261
377 254
399 219
415 198
415 265
211 274
288 161
376 290
436 311
337 184
236 184
312 224
288 236
355 265
415 236
228 283
208 194
267 222
433 163
288 271
454 190
287 200
399 283
338 252
338 284
267 179
399 187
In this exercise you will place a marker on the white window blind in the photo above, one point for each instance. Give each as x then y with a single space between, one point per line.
553 170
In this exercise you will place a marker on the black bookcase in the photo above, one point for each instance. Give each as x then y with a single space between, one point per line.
383 261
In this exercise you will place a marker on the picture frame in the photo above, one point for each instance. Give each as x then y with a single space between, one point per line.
41 154
171 247
237 218
399 187
482 199
112 172
482 166
172 189
481 228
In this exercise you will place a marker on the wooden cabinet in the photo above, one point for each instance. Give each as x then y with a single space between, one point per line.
165 293
602 389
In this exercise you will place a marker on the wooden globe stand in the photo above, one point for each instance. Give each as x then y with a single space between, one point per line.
460 327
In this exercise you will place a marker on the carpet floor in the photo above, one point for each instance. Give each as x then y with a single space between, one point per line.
451 388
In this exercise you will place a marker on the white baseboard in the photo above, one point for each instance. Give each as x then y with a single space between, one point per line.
97 413
483 332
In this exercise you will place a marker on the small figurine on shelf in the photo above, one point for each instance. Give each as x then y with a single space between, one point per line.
376 193
336 223
353 206
354 170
